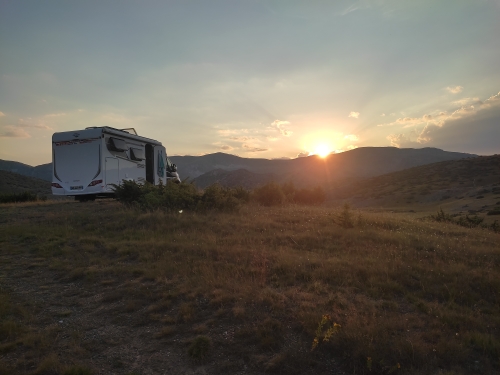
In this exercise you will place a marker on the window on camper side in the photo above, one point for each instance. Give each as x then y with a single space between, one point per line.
116 144
137 154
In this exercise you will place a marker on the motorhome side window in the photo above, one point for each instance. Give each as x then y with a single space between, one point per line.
137 154
116 144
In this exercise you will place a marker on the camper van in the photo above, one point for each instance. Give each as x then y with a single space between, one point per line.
88 163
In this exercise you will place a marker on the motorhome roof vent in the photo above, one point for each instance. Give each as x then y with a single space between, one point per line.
117 144
137 154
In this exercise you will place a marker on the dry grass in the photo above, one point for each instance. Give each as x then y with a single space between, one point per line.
419 295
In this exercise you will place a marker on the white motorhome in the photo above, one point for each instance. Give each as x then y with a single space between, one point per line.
87 163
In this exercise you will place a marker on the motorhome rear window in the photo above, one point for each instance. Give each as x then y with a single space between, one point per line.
117 144
136 154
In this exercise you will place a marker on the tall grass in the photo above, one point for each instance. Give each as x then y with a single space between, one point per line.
419 297
25 196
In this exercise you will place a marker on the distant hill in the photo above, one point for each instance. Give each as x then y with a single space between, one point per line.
15 183
359 163
43 171
240 177
437 182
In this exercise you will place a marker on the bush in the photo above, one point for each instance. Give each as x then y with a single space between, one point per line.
441 216
183 196
345 219
467 221
269 194
25 196
273 194
216 197
310 196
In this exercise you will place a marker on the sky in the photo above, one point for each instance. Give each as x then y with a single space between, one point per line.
261 79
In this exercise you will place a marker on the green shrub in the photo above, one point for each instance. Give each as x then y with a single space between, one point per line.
467 221
441 216
346 219
216 197
182 196
310 196
128 192
270 194
25 196
273 194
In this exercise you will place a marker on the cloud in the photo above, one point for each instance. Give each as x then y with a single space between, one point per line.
352 137
60 114
226 148
382 115
467 101
282 127
401 141
405 121
354 115
408 122
471 128
272 139
250 148
350 9
476 132
455 89
302 154
2 114
241 139
10 131
351 147
28 123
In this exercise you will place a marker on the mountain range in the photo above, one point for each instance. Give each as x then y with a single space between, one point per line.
42 172
231 170
307 171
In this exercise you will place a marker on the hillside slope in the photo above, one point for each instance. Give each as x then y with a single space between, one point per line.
15 183
43 171
474 183
240 177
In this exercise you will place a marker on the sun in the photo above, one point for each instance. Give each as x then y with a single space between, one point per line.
322 150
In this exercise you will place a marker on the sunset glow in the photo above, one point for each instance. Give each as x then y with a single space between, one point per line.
284 87
322 150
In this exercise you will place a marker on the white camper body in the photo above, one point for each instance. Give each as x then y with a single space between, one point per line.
87 163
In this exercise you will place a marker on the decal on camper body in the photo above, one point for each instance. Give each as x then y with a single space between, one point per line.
76 141
161 164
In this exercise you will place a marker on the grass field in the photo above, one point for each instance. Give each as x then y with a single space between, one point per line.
98 288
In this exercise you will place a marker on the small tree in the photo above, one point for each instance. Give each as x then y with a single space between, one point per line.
270 194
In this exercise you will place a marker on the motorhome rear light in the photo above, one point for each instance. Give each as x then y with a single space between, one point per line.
94 183
56 185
